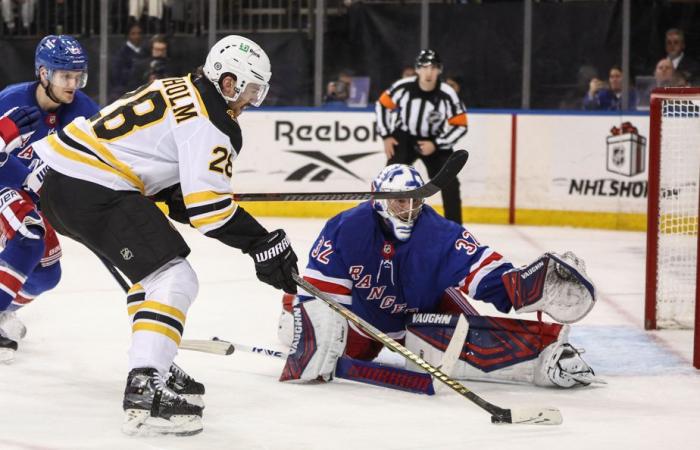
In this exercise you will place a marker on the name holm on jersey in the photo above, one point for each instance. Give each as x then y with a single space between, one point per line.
176 90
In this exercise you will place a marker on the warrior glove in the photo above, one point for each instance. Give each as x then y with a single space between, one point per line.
275 261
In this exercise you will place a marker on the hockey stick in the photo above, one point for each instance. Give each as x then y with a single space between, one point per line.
447 173
453 350
218 347
534 416
349 369
118 277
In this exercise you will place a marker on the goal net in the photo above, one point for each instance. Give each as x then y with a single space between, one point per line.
673 203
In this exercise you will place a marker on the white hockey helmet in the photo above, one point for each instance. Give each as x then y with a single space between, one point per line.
399 214
247 61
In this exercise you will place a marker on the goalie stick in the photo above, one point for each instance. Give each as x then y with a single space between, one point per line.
447 173
534 416
453 350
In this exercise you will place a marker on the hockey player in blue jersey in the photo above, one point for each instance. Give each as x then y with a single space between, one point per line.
393 261
61 67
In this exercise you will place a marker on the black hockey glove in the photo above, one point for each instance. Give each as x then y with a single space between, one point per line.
275 261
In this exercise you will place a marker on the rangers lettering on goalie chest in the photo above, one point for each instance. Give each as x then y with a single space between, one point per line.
383 295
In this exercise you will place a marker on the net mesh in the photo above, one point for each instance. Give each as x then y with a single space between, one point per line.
678 213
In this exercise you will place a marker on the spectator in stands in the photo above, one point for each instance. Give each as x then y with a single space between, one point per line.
664 72
604 96
26 12
675 51
123 76
455 82
159 65
408 71
338 91
154 11
679 80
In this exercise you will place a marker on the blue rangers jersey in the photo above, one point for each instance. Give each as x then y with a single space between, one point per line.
24 94
382 279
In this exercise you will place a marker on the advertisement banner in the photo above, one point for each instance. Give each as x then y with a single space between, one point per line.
341 151
588 169
582 163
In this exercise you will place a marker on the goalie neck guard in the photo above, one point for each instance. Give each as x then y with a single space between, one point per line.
398 214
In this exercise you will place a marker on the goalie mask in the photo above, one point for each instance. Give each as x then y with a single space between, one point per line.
244 59
399 214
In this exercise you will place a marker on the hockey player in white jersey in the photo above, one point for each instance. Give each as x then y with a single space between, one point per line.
172 140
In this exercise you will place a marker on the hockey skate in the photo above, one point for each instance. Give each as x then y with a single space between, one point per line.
8 347
153 409
186 386
11 327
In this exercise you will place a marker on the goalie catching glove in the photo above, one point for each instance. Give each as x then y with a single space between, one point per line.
554 284
275 261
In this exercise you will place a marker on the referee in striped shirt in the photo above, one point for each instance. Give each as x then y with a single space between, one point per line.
422 117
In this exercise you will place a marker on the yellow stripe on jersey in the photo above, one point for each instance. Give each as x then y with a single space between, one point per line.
95 145
137 288
223 216
157 328
206 221
202 108
204 197
153 305
62 149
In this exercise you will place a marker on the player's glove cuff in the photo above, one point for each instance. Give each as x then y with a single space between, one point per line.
275 261
8 133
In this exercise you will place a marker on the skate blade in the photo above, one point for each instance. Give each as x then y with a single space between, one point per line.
7 355
139 423
194 399
13 329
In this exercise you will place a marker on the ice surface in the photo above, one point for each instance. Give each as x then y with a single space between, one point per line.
64 390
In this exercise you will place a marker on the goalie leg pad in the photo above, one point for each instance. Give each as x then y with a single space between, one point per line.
319 340
504 349
492 343
285 328
554 284
385 376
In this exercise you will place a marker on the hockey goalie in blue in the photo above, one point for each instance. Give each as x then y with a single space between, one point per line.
405 269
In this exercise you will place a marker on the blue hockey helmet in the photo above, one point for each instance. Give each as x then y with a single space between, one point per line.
399 214
64 53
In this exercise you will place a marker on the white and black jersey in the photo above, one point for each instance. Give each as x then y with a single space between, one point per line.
173 133
437 115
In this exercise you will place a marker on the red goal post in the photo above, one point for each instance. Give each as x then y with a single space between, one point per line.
672 269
